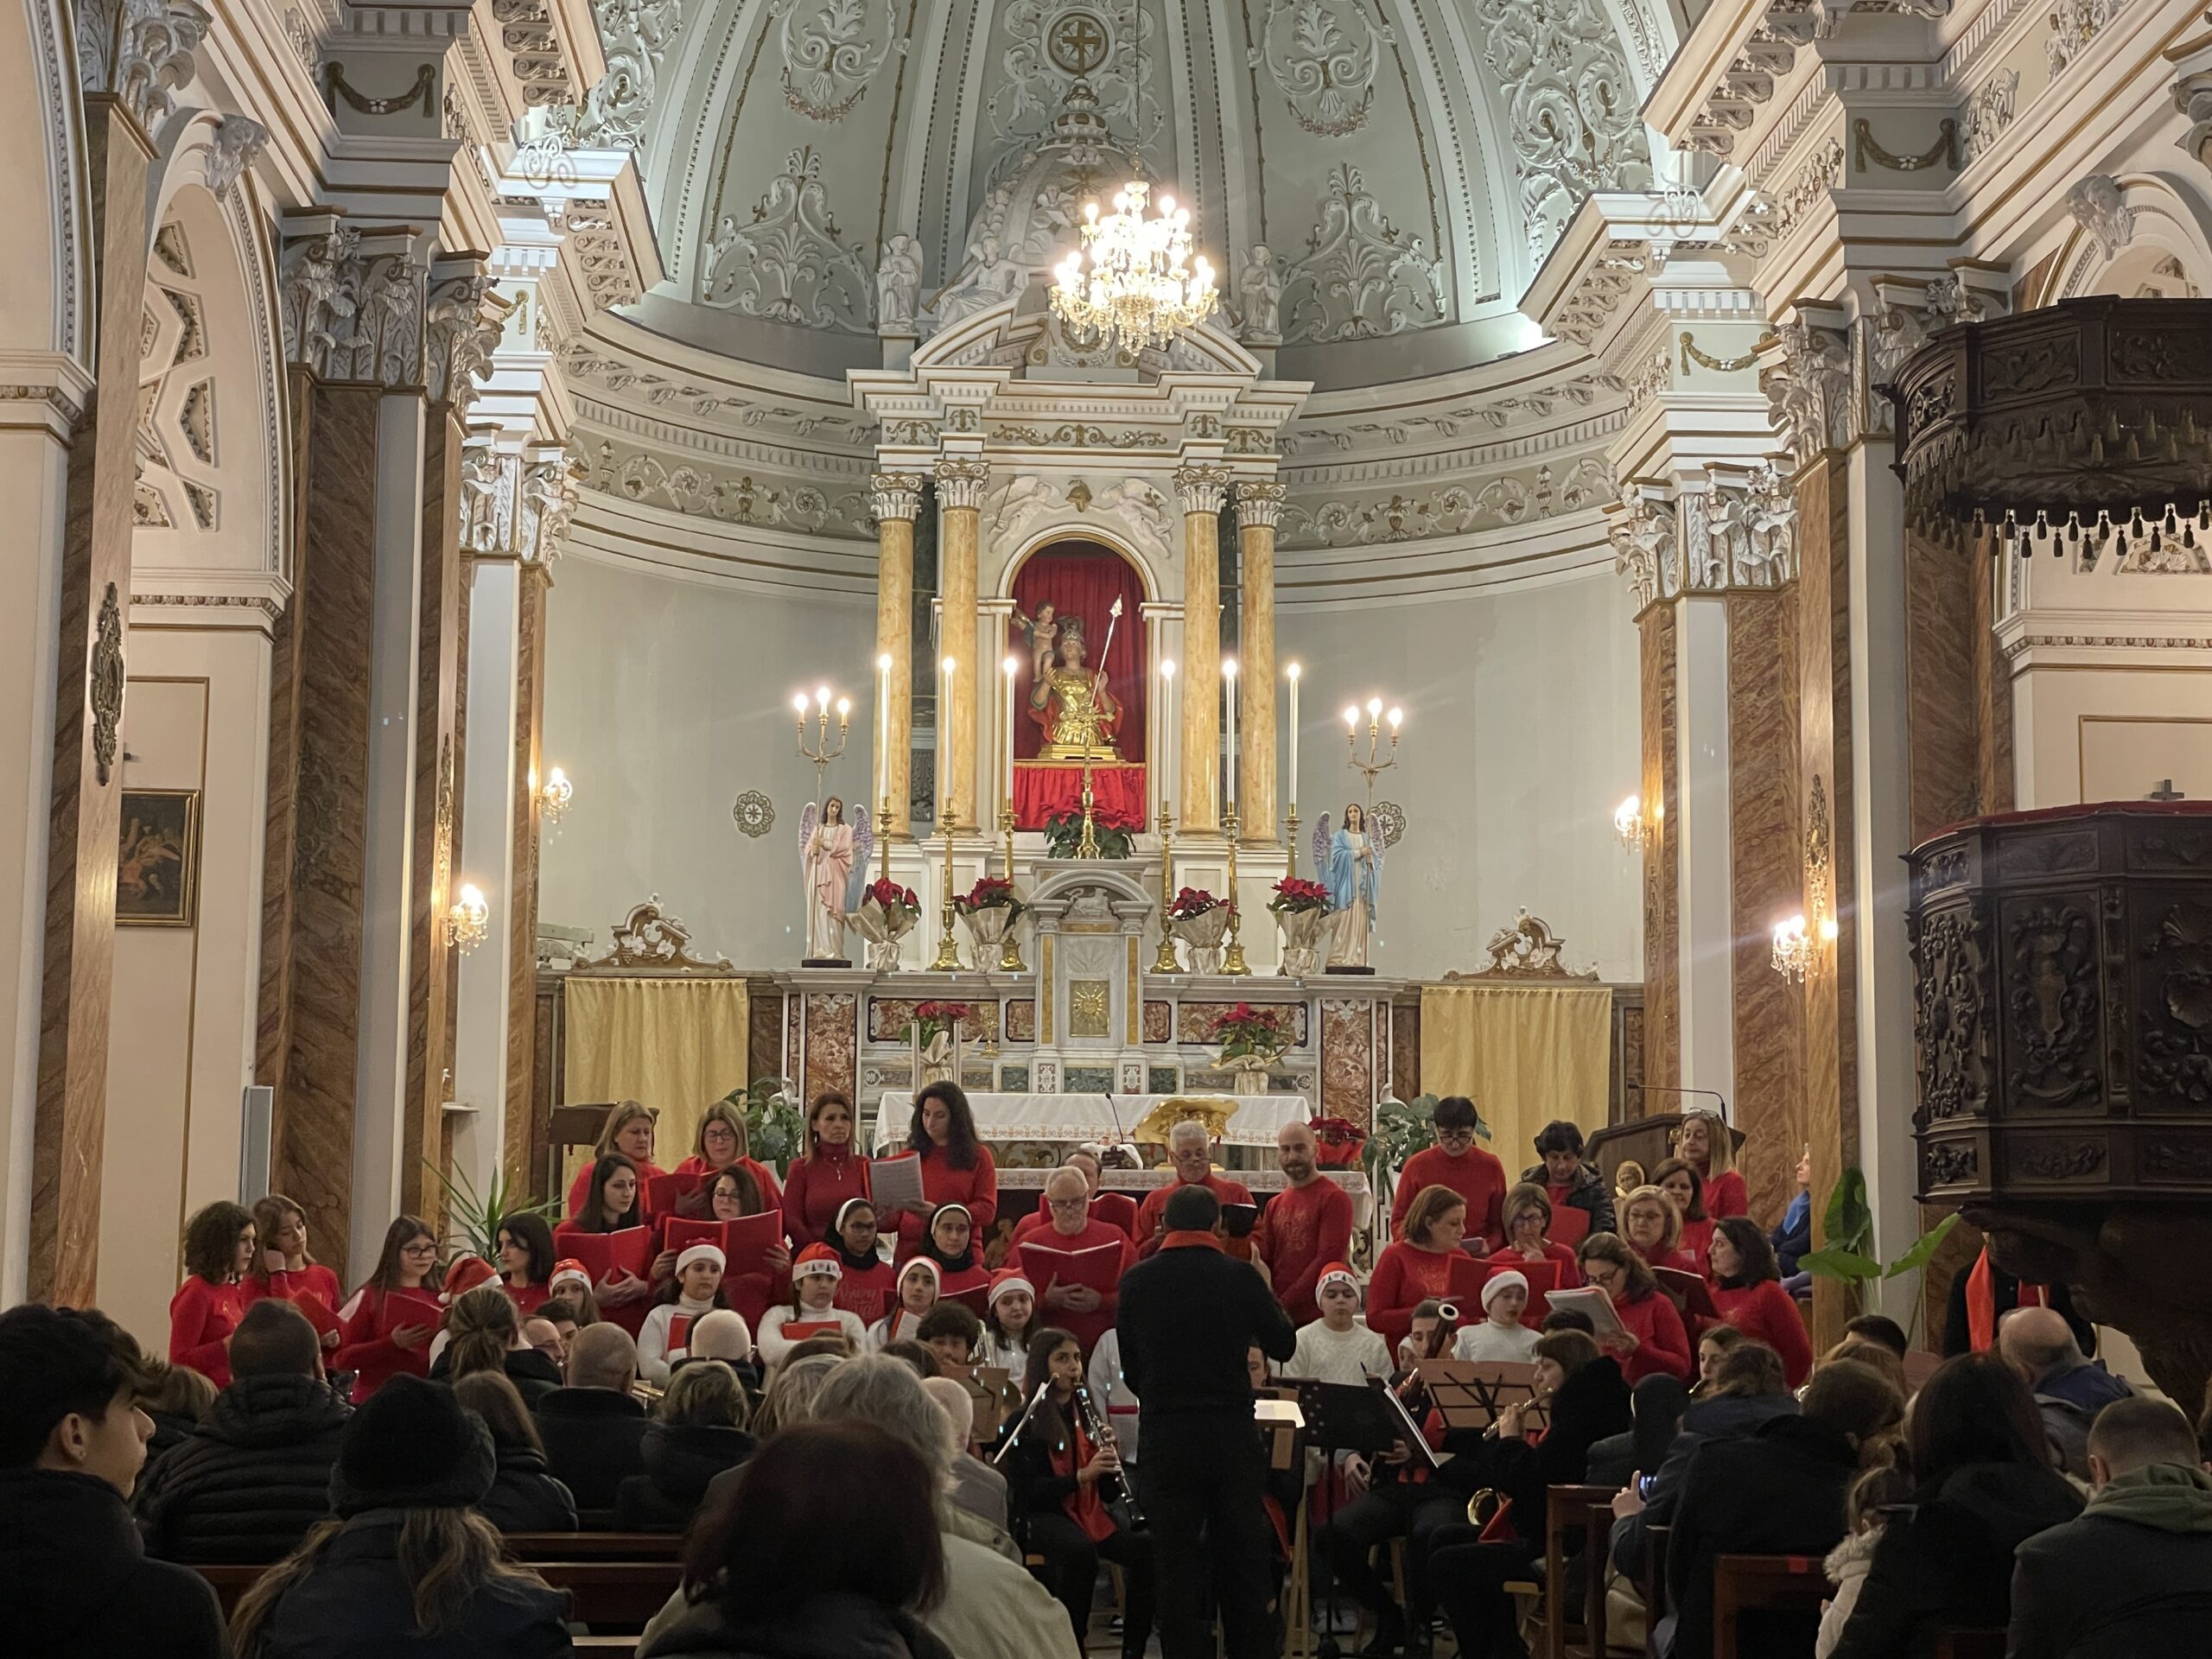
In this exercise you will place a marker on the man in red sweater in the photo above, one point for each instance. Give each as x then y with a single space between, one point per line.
1088 1313
1190 1148
1115 1209
1305 1226
1455 1161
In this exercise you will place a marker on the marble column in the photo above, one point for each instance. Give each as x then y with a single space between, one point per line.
126 98
1706 923
1657 646
898 498
1204 486
1258 505
960 486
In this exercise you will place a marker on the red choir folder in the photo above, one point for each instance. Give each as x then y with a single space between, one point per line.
800 1330
745 1242
977 1298
1468 1273
1688 1291
1098 1266
1570 1226
665 1192
601 1253
679 1333
318 1315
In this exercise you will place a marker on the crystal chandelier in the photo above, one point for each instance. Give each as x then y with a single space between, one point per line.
1143 287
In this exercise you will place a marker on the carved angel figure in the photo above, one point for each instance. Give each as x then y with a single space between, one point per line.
1351 863
832 855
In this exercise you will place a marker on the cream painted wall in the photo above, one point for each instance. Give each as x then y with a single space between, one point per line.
666 698
195 716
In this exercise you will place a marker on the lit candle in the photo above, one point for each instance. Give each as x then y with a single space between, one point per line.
943 740
1010 666
1293 736
883 730
1229 674
1167 725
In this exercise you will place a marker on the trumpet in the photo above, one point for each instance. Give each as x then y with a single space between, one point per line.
1100 1434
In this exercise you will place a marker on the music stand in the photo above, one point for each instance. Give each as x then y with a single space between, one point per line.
1469 1394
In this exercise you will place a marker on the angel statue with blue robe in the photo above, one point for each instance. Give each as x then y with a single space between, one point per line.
833 858
1350 860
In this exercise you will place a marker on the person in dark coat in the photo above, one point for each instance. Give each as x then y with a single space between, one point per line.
2133 1575
1983 1486
524 1497
246 1487
594 1428
1985 1292
699 1434
1189 1314
2070 1389
1587 1401
178 1401
414 1464
1778 1490
75 1581
1658 1402
534 1374
1567 1179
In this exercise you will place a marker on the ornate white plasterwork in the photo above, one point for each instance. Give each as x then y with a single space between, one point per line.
832 49
1899 330
1809 390
1989 112
1451 510
352 314
462 322
232 147
2074 24
634 34
693 485
789 264
139 50
1323 55
1361 276
517 505
1135 509
1738 531
2100 207
676 396
1492 414
1108 44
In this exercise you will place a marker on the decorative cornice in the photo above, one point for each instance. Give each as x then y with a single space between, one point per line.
1738 531
1259 503
1203 486
1865 147
895 495
961 483
139 51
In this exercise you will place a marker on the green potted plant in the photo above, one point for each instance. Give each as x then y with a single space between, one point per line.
1848 1257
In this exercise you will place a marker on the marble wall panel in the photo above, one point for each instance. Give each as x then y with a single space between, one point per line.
1405 1049
1942 765
1661 999
1194 1020
764 1013
529 1095
1348 1059
832 1034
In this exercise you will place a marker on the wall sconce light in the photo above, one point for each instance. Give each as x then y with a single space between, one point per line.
1628 824
1793 948
1798 944
554 795
469 923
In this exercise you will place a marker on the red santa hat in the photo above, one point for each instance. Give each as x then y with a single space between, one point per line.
817 1258
1511 1279
1006 1280
569 1271
464 1275
701 1252
923 1262
1330 1274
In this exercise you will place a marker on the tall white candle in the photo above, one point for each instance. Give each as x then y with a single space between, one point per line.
883 730
944 742
1007 802
1169 729
1293 736
1229 674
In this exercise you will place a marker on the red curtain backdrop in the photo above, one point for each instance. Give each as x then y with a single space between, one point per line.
1042 793
1083 579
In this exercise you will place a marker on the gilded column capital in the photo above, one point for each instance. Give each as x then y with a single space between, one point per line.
896 495
961 483
1259 503
1203 486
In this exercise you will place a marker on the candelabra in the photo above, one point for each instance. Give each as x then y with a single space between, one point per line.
883 833
819 751
1232 959
1290 838
1165 963
1378 761
948 948
1010 960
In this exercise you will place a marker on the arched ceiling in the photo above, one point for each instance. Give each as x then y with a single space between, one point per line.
1407 163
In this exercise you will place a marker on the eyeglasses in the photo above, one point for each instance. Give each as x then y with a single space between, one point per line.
420 1247
1456 1137
1068 1203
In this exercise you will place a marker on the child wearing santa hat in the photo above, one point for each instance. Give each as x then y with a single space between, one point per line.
920 1282
696 1290
1009 1318
1500 1336
814 1295
467 1273
1339 1347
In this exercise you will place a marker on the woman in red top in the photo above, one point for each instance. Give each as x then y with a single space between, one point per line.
394 1314
628 1130
723 1144
829 1176
288 1271
869 1284
614 1203
1528 1215
733 1195
951 1245
956 1166
219 1246
1655 1343
1418 1266
526 1258
1652 1226
1705 1146
1749 1294
1685 1190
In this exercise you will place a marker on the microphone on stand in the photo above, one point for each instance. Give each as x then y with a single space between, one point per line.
1664 1089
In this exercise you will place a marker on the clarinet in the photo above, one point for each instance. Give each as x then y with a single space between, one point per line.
1124 1492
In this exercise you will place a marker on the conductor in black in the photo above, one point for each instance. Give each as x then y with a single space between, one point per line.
1188 1315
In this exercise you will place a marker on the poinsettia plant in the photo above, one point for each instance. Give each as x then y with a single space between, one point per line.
1245 1032
888 896
934 1020
1114 834
1192 901
1295 894
1338 1141
991 892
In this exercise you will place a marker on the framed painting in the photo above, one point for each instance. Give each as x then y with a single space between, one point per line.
157 866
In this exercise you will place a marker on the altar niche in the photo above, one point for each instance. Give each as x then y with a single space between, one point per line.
1080 685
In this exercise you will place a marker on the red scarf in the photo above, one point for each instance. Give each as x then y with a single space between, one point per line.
1981 1302
1084 1506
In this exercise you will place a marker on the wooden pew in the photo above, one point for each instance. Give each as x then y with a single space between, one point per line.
1588 1511
1742 1584
1970 1644
229 1583
617 1592
594 1546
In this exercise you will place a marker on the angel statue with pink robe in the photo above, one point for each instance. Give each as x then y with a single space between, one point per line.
832 855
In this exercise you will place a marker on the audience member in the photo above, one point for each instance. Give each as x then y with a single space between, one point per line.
1879 1489
1336 1347
1748 1292
2133 1575
824 1546
1568 1180
1712 1344
484 1334
724 1335
1748 1390
594 1427
523 1497
248 1485
1653 1342
977 1487
918 1354
1499 1334
220 1249
2070 1389
1657 1402
1869 1352
75 1578
1880 1328
790 1395
407 1565
1306 1227
1417 1267
1792 1237
1986 1293
1778 1490
1982 1484
1455 1161
178 1399
698 1431
550 1336
1190 1148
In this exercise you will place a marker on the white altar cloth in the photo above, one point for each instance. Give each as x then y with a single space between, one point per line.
1087 1117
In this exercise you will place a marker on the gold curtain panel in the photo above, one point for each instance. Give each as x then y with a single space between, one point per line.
1527 1054
678 1045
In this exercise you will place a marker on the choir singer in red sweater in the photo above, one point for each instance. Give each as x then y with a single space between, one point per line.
1190 1148
1305 1226
1455 1161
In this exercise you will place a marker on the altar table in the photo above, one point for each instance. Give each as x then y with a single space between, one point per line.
1087 1117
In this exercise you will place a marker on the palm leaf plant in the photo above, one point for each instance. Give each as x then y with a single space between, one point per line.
474 1218
1848 1257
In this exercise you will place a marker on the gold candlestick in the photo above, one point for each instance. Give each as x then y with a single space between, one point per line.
1290 832
883 834
948 949
1232 960
1165 963
1010 960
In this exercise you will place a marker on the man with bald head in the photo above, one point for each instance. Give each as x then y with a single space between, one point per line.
1115 1209
1304 1227
1190 1148
1071 1226
2070 1389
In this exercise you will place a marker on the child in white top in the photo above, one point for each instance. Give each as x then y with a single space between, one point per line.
696 1290
1339 1347
1112 1390
1501 1336
919 1281
814 1293
1011 1317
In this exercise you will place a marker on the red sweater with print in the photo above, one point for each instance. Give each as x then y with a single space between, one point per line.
819 1185
1765 1311
1086 1328
1475 1175
1406 1276
1154 1210
869 1291
1302 1231
201 1318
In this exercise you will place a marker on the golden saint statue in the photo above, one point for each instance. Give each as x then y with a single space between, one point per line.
1073 703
